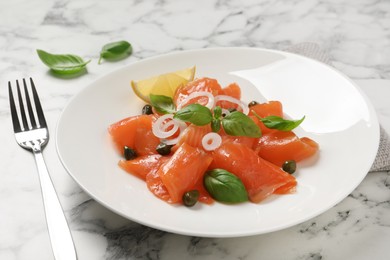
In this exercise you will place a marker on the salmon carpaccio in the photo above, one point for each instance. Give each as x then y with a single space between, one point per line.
256 162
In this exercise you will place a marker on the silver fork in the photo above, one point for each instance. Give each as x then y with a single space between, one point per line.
31 133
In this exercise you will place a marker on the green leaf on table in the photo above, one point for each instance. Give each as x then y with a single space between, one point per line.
63 64
115 51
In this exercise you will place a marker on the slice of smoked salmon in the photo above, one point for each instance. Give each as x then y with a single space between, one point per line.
123 132
287 188
278 147
204 196
146 167
136 133
183 170
142 165
145 142
271 108
193 136
202 84
245 140
232 90
260 177
157 187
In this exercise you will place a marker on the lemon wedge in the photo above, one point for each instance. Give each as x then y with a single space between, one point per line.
164 84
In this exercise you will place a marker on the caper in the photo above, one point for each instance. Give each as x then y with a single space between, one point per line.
129 153
252 103
190 198
163 148
289 166
147 110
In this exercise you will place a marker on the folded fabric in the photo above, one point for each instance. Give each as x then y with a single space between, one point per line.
313 50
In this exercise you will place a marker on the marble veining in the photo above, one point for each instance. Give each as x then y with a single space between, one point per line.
356 34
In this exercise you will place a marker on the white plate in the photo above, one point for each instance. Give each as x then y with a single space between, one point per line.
338 116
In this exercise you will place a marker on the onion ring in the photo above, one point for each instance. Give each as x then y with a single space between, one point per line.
244 108
211 141
210 102
159 127
174 141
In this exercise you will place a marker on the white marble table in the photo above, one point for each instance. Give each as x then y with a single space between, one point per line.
355 33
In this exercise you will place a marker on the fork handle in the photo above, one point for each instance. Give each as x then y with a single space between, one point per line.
60 236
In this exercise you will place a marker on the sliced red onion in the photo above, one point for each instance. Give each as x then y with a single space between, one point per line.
210 97
211 141
236 101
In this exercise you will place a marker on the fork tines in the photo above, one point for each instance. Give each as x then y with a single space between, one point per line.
33 120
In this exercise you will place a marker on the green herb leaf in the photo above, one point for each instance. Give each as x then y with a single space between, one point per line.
224 186
196 114
238 124
63 64
116 51
215 125
162 104
217 112
276 122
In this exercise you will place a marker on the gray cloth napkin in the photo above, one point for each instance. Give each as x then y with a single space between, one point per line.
313 50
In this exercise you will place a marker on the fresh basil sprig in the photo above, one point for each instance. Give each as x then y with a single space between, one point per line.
235 123
217 112
238 124
224 186
276 122
162 104
216 122
195 113
279 123
63 64
115 51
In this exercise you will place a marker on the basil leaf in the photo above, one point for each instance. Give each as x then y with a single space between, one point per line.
238 124
224 186
115 51
276 122
215 125
162 104
217 112
63 64
196 114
